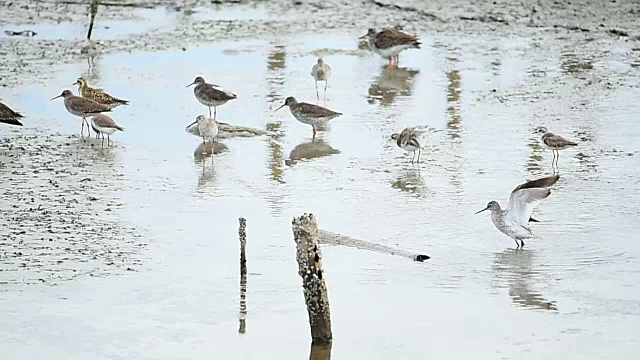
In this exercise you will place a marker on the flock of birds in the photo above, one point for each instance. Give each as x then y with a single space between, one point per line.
388 43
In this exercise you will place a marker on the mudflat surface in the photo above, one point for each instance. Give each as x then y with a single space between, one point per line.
132 250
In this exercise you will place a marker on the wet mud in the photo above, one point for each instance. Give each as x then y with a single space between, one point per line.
58 217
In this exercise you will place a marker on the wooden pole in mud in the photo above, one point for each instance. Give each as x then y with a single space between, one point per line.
93 10
309 257
242 232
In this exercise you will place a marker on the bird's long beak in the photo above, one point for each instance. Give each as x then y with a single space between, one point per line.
283 105
485 209
56 97
190 84
188 126
363 36
76 83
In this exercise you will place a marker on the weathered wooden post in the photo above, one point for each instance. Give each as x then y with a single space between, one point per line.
242 232
309 257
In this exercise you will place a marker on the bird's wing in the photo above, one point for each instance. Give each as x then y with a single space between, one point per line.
558 141
389 37
526 197
89 106
314 70
316 111
218 93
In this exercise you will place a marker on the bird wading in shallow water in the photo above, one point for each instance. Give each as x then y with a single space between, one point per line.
514 220
314 115
321 71
211 95
103 124
208 129
82 107
555 143
407 140
390 42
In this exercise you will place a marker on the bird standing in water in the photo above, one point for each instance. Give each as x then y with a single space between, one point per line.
321 72
514 220
407 140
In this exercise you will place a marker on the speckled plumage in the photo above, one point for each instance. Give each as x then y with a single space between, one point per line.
98 95
8 116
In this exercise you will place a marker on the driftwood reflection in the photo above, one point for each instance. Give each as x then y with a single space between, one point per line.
388 85
310 150
515 268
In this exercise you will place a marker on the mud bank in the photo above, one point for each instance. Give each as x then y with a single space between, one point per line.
58 218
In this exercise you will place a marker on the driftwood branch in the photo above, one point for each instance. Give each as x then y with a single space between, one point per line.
309 257
328 237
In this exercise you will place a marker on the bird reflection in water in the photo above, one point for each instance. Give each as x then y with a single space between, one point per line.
317 147
387 86
200 153
515 268
410 181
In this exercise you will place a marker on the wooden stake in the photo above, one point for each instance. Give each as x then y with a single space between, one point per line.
242 317
309 257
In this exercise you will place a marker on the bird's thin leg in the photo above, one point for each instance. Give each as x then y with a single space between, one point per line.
419 151
557 158
215 112
204 146
517 243
521 243
88 127
325 88
317 94
314 131
209 111
108 140
414 156
103 141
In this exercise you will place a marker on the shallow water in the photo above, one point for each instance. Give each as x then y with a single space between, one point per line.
572 292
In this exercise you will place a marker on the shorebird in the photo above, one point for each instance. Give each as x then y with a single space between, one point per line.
309 114
81 107
97 95
555 143
105 125
208 129
514 220
90 51
211 94
390 41
407 140
321 72
9 116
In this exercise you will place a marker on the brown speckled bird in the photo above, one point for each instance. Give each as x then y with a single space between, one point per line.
98 95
